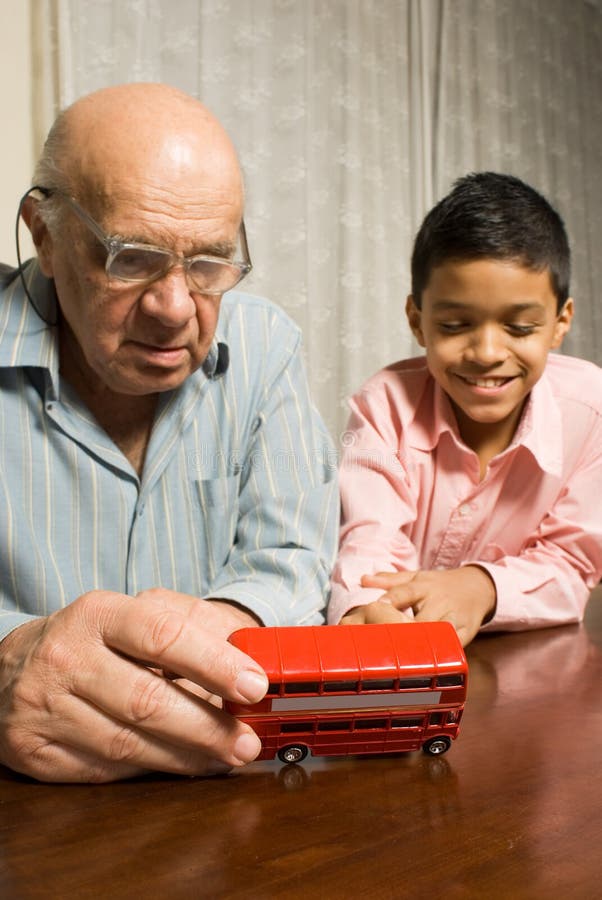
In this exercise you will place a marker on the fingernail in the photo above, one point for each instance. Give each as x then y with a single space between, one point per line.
251 685
247 747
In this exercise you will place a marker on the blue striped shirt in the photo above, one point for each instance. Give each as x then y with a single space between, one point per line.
238 495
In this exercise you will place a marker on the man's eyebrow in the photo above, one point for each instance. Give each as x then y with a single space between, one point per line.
220 249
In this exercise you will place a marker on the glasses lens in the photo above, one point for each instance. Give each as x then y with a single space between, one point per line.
138 264
213 276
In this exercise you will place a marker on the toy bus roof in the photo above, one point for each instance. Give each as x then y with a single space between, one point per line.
340 652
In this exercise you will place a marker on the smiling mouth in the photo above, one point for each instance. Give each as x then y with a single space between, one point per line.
486 382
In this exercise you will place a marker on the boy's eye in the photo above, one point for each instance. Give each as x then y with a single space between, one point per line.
520 330
512 328
452 327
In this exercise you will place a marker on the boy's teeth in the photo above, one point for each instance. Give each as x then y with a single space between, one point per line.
485 382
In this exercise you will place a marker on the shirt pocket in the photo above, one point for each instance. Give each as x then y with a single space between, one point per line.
218 510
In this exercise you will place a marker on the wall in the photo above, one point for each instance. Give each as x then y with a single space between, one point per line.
15 102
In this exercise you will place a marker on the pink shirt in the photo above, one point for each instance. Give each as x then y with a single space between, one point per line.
412 498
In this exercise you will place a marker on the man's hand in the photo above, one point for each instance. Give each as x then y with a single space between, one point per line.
83 696
465 597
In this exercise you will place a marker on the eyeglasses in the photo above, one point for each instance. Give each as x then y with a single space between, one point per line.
140 263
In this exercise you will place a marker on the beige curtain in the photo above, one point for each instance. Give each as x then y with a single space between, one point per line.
352 117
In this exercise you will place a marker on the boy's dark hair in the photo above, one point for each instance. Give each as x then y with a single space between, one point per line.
489 215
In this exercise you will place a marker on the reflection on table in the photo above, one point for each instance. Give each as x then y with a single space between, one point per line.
512 810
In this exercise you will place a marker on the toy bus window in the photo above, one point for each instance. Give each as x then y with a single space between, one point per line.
301 687
273 690
436 718
340 686
413 683
376 685
449 681
406 723
381 724
334 725
295 727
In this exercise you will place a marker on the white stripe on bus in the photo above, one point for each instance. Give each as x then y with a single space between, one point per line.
395 701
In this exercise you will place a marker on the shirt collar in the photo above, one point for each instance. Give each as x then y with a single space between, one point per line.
25 338
539 430
540 427
433 417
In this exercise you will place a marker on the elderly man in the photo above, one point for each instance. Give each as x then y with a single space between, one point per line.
164 477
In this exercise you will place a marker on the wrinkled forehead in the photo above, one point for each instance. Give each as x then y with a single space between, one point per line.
203 224
187 213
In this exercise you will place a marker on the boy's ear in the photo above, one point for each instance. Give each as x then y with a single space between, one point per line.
563 323
41 237
415 320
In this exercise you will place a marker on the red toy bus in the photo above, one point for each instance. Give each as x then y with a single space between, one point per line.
340 690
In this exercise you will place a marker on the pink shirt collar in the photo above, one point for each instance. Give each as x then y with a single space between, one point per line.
539 430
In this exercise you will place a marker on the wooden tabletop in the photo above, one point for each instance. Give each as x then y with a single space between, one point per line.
512 810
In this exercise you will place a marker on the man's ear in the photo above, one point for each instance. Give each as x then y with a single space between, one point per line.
563 323
415 320
30 213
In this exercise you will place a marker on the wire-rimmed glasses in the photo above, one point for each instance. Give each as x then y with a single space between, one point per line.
136 263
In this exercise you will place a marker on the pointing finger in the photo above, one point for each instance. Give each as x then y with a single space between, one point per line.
386 579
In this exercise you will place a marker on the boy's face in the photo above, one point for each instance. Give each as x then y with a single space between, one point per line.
487 326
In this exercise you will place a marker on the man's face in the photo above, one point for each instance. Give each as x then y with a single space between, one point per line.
140 339
487 327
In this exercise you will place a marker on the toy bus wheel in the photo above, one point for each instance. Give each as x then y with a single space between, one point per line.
437 745
293 754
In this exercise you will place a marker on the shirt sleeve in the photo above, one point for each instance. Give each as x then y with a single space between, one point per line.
9 620
286 534
550 580
377 503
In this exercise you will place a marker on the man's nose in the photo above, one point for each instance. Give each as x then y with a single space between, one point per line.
168 299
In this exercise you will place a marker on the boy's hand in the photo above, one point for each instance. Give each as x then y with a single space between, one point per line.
375 614
465 597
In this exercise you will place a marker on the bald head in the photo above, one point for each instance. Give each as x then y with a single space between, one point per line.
120 143
145 174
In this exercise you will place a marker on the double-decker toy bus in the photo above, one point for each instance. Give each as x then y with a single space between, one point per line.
351 689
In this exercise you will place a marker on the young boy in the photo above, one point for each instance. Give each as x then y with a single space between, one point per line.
472 478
